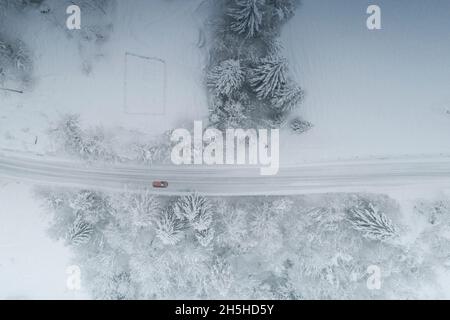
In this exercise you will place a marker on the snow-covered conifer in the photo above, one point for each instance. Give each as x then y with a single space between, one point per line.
287 98
247 16
300 126
282 205
269 76
192 206
278 119
94 146
372 223
93 207
80 233
168 227
226 78
205 237
228 113
283 9
221 277
234 230
197 211
91 144
203 220
143 207
69 132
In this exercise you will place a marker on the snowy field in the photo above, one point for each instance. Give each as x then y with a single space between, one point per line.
381 93
32 266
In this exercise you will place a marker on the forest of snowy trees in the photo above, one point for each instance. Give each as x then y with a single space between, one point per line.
140 246
248 78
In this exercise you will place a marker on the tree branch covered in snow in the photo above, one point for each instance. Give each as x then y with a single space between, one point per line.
226 78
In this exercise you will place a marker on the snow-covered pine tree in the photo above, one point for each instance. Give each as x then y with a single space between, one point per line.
91 144
372 223
263 219
80 233
246 16
197 211
143 207
169 228
298 125
221 277
118 286
268 76
282 9
278 119
192 206
69 133
228 113
436 212
93 207
287 98
282 205
156 151
94 146
203 220
205 237
233 229
226 78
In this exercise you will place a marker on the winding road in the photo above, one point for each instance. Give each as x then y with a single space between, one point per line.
342 176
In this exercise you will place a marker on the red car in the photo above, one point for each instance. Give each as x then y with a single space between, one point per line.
160 184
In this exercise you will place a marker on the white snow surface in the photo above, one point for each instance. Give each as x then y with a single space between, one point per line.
32 266
380 93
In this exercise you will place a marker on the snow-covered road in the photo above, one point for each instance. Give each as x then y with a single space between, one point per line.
348 176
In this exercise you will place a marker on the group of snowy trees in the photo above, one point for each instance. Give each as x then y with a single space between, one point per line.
98 144
135 245
91 144
248 79
154 151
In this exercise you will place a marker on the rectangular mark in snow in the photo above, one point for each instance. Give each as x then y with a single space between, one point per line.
145 85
